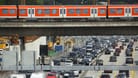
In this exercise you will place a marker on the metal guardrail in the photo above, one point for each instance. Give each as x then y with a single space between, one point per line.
94 68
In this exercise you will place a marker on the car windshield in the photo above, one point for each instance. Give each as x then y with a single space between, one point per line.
51 74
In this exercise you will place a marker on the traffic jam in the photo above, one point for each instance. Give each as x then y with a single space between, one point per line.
91 52
94 51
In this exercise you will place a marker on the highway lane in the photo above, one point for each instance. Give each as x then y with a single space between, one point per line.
120 61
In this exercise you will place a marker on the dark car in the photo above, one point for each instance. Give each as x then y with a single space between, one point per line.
107 71
128 52
136 62
99 62
122 47
107 51
118 50
131 49
125 71
121 75
63 59
113 59
105 76
129 60
56 62
116 53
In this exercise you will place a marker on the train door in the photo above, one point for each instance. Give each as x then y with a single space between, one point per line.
31 12
94 12
127 12
62 12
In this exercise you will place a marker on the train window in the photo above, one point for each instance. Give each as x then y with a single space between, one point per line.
61 11
22 11
47 11
102 11
4 11
95 11
119 11
78 11
12 11
91 11
85 11
54 11
129 10
39 11
71 11
135 10
112 11
64 11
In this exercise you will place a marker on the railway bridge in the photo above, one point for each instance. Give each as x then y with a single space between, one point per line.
69 28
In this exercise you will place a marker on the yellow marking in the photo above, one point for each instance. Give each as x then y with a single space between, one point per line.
132 72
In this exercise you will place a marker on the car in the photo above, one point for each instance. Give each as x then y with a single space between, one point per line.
107 51
68 74
17 76
116 53
128 53
56 62
113 59
38 75
125 71
136 62
105 76
118 50
89 58
136 48
129 60
107 71
99 62
122 47
121 75
89 48
51 75
63 59
89 77
76 73
68 63
131 49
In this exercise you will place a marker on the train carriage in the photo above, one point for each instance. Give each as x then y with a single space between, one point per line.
85 11
119 11
68 11
28 11
134 9
8 11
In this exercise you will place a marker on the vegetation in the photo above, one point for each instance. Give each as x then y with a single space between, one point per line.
64 2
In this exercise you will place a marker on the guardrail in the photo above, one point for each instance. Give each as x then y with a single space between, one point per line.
92 68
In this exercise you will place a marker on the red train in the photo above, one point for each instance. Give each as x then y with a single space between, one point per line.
68 11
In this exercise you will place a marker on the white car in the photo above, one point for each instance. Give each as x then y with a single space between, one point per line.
76 73
17 76
38 75
136 48
67 63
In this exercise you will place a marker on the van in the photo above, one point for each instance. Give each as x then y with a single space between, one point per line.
17 76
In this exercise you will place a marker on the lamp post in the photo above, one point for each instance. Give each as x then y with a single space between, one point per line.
17 6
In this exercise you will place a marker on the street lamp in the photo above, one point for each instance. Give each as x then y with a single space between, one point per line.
17 6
